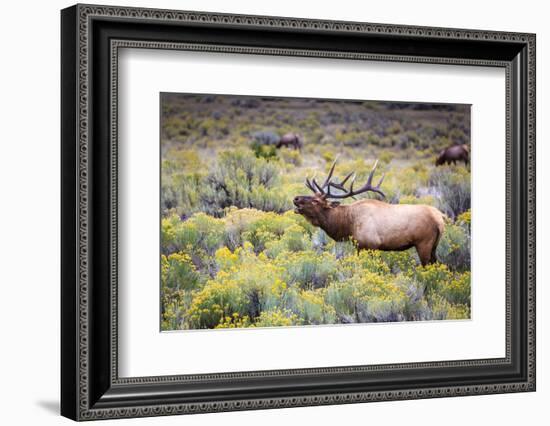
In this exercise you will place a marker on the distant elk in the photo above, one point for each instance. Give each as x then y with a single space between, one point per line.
453 154
291 140
372 224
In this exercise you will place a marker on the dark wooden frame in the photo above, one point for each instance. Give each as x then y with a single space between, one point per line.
91 37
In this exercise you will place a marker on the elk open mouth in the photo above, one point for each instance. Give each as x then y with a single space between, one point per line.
297 207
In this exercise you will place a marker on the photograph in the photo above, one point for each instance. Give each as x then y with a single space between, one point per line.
280 211
273 208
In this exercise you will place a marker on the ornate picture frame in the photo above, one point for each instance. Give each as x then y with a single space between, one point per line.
91 37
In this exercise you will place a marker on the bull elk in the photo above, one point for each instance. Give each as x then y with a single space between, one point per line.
372 224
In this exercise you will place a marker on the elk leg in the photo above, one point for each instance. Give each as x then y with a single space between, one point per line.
435 244
433 257
424 250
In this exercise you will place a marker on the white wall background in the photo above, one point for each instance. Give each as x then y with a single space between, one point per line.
29 213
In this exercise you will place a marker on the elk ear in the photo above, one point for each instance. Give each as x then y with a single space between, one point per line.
334 203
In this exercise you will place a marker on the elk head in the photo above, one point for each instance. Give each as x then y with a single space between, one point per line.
440 159
314 207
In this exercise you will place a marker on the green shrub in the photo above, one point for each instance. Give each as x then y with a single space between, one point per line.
179 272
443 310
394 128
290 156
431 276
457 290
308 269
400 261
242 181
268 228
264 144
452 188
458 312
367 297
182 175
320 239
175 304
179 278
368 260
294 239
439 282
386 157
341 249
416 306
454 247
215 302
312 308
264 151
168 234
200 231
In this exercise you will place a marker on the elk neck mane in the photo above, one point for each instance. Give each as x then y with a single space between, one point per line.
336 222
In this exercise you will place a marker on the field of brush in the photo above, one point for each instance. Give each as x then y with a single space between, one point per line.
234 253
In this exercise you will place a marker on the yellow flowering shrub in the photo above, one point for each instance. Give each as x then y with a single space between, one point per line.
458 312
367 297
431 276
179 272
245 284
454 247
268 227
168 227
370 260
400 261
443 310
216 301
313 309
234 321
226 259
277 318
465 218
457 290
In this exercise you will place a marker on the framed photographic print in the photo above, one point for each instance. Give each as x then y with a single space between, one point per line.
263 212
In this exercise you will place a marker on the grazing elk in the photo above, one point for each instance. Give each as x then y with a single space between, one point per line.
371 223
290 140
453 154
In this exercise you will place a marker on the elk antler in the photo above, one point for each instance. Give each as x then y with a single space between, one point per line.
320 189
324 189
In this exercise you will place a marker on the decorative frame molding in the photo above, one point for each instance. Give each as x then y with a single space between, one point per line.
91 37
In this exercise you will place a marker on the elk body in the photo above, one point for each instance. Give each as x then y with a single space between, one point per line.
290 140
453 154
371 223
